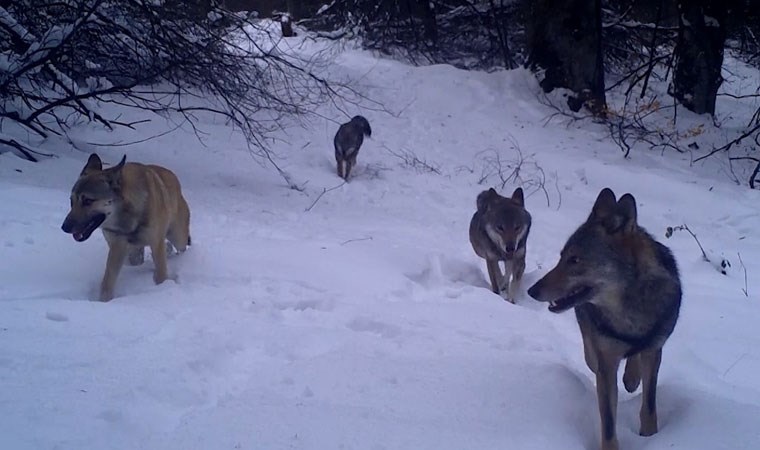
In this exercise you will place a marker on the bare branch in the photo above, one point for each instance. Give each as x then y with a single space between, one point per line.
324 191
745 290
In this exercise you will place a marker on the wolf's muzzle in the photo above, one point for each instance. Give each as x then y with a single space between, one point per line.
82 232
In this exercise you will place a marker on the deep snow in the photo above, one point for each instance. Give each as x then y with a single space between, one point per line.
364 321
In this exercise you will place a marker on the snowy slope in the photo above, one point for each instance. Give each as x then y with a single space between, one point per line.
361 319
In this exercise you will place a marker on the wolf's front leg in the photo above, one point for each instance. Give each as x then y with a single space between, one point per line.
505 283
494 275
607 397
517 271
117 251
514 287
159 259
650 366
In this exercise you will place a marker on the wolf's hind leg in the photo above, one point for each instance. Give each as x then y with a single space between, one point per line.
350 163
179 230
136 255
632 374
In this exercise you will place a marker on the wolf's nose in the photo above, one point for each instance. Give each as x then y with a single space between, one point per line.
533 291
66 227
510 248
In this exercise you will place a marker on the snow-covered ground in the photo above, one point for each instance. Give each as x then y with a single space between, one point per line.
362 319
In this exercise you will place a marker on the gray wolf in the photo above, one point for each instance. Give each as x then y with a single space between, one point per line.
348 140
499 232
626 292
134 205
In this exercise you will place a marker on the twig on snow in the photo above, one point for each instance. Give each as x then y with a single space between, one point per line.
324 191
368 238
745 290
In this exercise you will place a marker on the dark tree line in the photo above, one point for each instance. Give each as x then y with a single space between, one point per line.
569 42
465 33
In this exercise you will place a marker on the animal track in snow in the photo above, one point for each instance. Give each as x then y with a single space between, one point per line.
56 317
303 305
111 416
300 297
441 270
363 324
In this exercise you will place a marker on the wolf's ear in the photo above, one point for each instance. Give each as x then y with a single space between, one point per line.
518 197
114 173
94 164
627 212
363 124
622 217
605 206
119 166
484 199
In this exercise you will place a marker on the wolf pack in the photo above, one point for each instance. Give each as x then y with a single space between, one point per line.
622 284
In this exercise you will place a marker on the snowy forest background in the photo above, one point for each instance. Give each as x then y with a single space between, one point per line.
59 57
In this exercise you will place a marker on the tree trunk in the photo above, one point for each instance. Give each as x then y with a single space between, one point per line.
430 28
565 42
286 25
699 53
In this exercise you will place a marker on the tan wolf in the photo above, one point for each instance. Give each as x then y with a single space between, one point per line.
499 232
135 205
626 292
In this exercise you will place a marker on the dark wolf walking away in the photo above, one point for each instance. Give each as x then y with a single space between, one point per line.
626 292
499 232
134 205
348 140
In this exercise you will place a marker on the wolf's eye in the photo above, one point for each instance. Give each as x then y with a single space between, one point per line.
517 227
573 260
86 201
500 228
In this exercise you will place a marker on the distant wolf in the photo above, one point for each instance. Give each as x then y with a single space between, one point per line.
135 205
348 140
499 232
626 292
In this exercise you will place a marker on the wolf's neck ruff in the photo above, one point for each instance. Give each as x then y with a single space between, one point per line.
131 236
636 342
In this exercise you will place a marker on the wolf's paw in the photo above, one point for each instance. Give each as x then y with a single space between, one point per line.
159 278
504 293
648 426
631 384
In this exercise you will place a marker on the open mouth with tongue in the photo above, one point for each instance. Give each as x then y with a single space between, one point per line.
576 296
83 233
